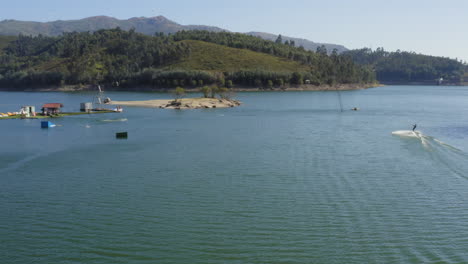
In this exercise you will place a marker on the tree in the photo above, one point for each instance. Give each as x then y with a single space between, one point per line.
258 83
279 40
214 90
179 93
206 91
297 78
270 84
279 82
223 92
322 50
335 53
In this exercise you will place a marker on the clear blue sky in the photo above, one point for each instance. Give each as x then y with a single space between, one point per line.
435 27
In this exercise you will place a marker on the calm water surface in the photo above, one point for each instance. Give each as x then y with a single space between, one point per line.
285 178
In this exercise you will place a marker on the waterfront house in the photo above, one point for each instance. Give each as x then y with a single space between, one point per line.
51 108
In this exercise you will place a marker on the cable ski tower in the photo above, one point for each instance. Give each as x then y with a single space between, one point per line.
100 99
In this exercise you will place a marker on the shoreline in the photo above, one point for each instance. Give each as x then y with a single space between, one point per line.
88 88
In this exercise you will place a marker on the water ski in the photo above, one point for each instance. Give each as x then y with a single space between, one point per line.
407 133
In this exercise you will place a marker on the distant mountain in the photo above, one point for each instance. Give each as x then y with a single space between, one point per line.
144 25
307 44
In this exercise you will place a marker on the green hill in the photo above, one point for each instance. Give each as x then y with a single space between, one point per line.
187 58
213 57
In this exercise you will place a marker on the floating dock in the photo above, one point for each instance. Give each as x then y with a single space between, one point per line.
19 116
121 135
47 124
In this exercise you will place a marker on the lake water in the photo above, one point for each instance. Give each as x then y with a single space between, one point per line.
285 178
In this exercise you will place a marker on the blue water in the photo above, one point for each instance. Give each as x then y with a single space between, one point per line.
285 178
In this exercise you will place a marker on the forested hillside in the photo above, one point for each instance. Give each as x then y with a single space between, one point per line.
323 69
187 58
4 41
409 67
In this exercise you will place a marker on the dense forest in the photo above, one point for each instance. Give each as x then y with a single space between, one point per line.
128 59
409 67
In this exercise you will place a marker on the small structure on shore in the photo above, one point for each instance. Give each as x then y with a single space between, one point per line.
100 98
28 111
51 108
86 107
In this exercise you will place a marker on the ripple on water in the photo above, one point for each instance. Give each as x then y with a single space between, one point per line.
293 185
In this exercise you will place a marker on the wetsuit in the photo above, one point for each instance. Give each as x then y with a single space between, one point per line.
414 127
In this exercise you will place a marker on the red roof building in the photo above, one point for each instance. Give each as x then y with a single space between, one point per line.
52 105
52 108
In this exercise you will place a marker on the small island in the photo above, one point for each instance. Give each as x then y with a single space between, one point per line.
186 103
208 101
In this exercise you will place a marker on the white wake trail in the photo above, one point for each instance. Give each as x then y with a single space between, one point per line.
451 157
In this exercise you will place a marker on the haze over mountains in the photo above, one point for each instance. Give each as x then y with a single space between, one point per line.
307 44
144 25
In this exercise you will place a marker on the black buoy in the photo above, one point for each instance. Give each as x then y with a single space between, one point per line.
121 135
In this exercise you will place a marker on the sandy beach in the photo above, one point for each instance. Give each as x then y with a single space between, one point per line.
186 103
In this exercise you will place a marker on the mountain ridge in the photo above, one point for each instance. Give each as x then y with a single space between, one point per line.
145 25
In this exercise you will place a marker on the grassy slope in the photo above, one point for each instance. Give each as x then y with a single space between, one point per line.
53 65
4 41
204 56
213 57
